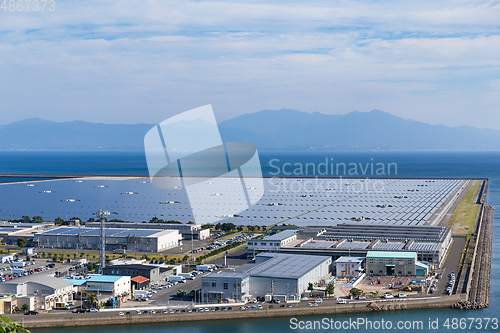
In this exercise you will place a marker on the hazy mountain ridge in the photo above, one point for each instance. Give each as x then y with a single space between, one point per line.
266 129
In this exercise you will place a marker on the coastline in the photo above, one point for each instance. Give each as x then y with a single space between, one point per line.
112 318
474 295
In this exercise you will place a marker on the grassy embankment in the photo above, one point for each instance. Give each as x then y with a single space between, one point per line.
464 217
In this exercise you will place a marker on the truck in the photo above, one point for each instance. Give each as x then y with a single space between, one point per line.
140 295
119 251
62 306
177 278
187 276
18 271
18 264
205 268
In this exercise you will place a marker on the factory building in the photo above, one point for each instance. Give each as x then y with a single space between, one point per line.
430 243
275 275
108 286
272 242
150 240
391 263
38 291
186 230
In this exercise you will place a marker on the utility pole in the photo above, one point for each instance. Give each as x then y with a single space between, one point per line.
101 215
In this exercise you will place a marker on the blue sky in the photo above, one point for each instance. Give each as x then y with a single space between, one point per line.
134 61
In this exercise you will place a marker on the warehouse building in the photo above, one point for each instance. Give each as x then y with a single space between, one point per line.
391 263
272 242
275 275
150 240
38 291
108 286
430 243
186 230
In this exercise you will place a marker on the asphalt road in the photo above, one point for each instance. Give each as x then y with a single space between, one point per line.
450 265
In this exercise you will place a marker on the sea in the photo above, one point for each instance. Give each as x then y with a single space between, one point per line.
306 163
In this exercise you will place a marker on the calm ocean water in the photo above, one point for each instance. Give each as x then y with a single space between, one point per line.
409 164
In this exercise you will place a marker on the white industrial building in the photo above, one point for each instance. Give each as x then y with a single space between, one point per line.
39 291
276 275
187 231
109 285
348 266
151 240
272 242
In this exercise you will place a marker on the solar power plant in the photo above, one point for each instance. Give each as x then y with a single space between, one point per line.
353 245
322 245
389 246
423 247
298 201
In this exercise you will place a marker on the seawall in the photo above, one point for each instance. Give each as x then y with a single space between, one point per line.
112 318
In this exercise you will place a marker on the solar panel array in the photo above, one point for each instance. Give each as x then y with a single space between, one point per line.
353 245
389 246
320 245
423 247
296 201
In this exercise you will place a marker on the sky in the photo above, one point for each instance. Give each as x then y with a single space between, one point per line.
145 61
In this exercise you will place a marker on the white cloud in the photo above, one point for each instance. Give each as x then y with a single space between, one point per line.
127 61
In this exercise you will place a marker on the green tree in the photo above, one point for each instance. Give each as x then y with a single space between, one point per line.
190 222
59 221
8 326
25 307
310 286
91 299
356 292
37 219
90 266
26 219
21 242
330 289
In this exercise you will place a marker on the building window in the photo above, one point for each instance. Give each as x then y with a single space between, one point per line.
409 272
226 286
214 284
205 284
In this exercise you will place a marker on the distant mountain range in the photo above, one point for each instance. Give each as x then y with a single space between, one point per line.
266 129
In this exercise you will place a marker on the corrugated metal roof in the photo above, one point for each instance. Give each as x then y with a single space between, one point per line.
281 235
105 278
